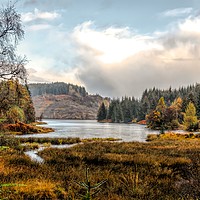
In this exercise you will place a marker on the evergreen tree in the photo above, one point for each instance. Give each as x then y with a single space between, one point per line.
114 115
135 108
102 113
144 108
126 108
198 104
119 113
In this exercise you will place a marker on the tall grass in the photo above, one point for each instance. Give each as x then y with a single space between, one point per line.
55 141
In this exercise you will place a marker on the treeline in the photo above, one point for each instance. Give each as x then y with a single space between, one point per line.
128 109
57 88
15 102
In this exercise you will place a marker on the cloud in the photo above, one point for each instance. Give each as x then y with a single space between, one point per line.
47 4
37 14
113 44
118 61
191 24
177 12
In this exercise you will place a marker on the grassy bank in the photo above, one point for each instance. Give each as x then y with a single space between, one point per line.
160 169
23 129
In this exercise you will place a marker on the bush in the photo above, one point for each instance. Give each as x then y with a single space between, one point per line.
15 114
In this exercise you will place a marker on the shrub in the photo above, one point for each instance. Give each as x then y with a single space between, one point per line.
15 114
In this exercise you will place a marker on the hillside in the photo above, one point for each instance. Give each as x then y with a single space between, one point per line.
64 101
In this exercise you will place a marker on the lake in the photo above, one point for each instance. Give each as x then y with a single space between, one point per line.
93 129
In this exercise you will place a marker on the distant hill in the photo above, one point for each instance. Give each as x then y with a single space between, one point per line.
57 88
64 101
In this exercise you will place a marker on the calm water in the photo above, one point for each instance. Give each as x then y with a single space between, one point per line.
93 129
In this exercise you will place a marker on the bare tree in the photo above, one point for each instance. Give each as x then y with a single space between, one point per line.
11 32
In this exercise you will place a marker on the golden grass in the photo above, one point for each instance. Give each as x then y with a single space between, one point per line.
34 187
165 168
173 136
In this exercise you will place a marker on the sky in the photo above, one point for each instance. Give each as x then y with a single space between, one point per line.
112 47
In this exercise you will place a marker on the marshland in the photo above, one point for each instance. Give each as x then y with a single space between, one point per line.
166 167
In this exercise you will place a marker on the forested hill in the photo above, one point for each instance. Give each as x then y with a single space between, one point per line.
57 88
64 101
127 109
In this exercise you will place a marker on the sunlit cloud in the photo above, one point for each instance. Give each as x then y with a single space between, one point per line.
191 24
37 14
113 44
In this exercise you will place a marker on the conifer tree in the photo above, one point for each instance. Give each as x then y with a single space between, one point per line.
144 108
102 113
198 104
118 112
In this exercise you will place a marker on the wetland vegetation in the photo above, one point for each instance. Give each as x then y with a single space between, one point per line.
165 168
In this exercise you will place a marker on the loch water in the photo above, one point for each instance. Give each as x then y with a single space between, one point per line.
93 129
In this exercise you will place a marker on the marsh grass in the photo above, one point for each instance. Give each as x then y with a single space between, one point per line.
100 140
164 168
61 141
54 141
173 136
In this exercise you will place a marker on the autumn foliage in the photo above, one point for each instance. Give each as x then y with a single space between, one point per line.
190 118
15 102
